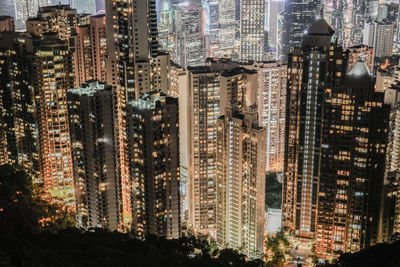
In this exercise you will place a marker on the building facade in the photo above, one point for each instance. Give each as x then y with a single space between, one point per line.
153 134
91 118
252 23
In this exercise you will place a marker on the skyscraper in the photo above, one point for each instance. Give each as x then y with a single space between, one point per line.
252 22
136 65
240 161
91 50
190 42
298 15
354 137
18 127
203 105
272 81
334 148
153 134
53 76
61 19
91 111
380 36
227 27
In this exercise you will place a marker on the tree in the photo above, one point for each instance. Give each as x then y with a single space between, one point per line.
277 246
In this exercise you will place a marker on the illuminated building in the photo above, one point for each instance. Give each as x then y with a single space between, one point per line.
252 21
214 20
84 7
379 35
227 27
361 52
271 108
336 133
298 15
25 9
240 161
7 24
165 24
91 50
299 198
274 25
91 118
190 42
61 19
134 67
153 134
133 49
18 127
209 90
53 76
354 140
203 111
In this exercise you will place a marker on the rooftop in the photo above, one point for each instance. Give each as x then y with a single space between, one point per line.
320 27
90 88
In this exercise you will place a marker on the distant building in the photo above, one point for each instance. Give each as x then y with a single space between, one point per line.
380 36
91 51
252 22
7 24
190 42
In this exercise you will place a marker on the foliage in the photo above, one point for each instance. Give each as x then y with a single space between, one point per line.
22 208
25 241
383 254
277 246
273 191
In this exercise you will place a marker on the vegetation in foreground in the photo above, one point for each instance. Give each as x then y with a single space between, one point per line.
34 232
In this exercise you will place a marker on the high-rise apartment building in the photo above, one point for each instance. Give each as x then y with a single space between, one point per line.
91 50
252 22
134 60
25 9
18 127
61 19
272 81
240 175
134 67
210 88
303 125
227 28
153 134
354 137
380 36
53 75
298 15
335 145
190 42
203 106
7 24
91 117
